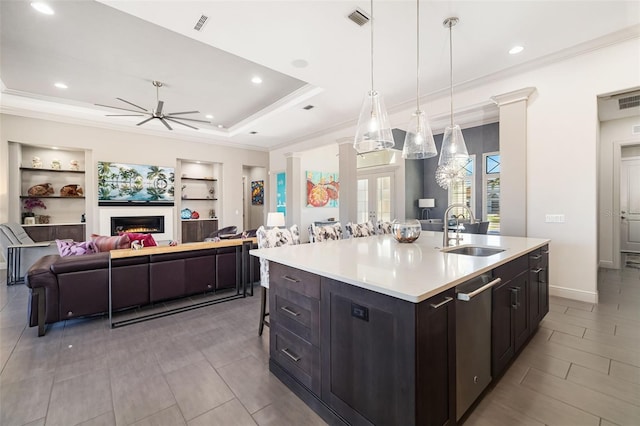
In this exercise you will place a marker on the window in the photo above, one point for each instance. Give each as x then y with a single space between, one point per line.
491 192
463 191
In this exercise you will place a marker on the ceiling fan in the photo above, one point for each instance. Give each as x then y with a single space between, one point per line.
155 113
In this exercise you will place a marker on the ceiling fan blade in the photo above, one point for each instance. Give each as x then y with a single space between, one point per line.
188 119
183 124
159 108
124 115
115 107
144 121
184 112
165 123
132 104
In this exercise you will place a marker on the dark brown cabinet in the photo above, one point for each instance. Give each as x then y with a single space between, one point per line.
365 357
294 303
538 285
198 230
510 323
38 233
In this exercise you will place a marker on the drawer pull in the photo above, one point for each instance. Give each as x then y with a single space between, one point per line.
545 251
290 354
536 271
536 256
288 278
444 302
289 311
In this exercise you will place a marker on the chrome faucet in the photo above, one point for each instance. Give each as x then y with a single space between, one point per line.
445 237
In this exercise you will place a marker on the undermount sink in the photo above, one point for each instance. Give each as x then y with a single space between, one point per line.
473 250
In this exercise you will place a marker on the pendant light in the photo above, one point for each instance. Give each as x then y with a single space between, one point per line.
453 146
418 141
374 131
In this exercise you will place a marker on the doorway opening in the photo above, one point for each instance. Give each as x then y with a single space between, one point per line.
253 190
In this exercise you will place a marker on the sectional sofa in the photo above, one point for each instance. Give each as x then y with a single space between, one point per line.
69 287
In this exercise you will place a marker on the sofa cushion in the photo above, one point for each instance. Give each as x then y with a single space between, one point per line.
81 263
111 243
145 239
72 248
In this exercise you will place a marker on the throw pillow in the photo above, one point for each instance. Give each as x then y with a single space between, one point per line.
104 243
145 239
71 248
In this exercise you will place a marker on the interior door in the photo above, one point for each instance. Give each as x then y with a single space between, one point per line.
630 205
375 197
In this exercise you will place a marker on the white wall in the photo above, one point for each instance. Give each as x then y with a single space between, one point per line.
118 146
612 133
562 140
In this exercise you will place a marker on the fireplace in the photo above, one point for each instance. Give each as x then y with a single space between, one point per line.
141 224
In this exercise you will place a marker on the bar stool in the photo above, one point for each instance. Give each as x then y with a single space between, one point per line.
268 238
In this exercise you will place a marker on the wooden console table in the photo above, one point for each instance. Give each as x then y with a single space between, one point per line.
242 246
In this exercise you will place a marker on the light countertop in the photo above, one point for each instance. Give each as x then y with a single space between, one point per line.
413 272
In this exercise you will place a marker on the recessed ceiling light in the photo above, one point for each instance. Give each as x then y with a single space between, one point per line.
42 7
300 63
209 116
256 80
253 133
220 126
54 147
515 50
61 86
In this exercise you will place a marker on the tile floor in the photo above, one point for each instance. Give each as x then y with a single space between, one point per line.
209 367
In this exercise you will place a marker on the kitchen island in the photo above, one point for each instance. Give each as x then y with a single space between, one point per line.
364 330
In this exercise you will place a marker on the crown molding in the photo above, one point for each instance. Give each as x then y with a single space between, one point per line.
512 97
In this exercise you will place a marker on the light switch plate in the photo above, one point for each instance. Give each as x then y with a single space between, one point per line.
554 218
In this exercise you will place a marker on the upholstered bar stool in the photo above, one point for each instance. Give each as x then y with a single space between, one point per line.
268 238
319 233
357 230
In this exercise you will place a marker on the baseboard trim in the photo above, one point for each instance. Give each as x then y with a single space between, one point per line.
572 293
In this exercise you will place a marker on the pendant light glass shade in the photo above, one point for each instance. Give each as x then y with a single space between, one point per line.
373 132
418 142
453 147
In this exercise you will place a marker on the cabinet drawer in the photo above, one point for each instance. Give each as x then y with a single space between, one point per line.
509 270
296 356
298 313
294 279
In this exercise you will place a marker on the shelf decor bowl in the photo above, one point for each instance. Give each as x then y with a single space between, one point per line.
406 231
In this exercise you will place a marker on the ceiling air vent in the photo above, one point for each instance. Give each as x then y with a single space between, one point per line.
201 23
635 129
308 107
359 17
629 102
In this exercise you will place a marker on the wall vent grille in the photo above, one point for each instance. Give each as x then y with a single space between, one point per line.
635 129
629 102
201 23
359 17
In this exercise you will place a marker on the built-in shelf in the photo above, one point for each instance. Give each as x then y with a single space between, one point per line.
31 169
199 199
48 196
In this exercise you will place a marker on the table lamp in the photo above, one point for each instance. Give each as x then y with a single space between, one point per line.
426 204
275 219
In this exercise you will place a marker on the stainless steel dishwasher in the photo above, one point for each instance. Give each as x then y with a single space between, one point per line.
473 340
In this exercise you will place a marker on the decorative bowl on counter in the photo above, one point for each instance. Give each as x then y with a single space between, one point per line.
406 231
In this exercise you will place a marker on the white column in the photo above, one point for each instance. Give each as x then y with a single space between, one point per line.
348 169
513 161
294 189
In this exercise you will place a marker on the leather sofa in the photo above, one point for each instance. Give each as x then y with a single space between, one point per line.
70 287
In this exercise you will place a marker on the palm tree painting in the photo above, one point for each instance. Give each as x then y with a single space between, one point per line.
132 182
